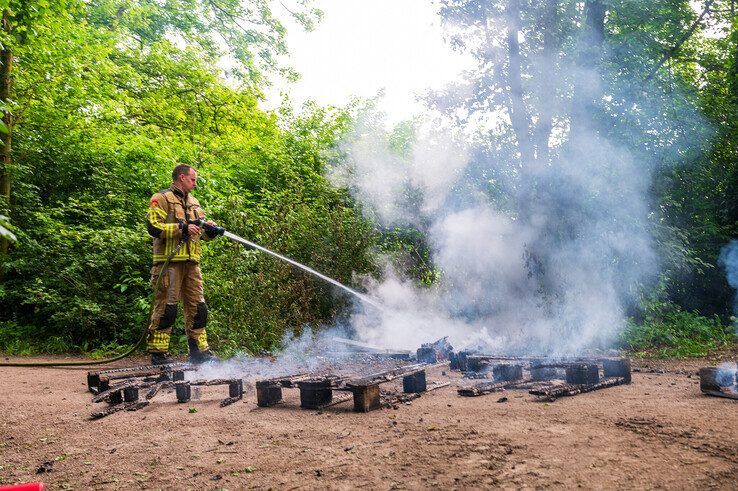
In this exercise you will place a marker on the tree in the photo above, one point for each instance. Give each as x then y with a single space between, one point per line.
575 107
105 100
22 22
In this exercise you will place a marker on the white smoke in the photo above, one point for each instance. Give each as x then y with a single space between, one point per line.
533 258
726 375
384 179
307 352
729 260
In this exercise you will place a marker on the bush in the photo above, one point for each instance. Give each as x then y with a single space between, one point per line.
676 333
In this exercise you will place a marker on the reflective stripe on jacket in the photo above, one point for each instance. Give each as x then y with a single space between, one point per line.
169 211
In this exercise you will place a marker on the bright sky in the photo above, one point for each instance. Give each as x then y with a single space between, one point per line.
364 46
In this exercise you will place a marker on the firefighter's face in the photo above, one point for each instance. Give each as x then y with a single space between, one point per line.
188 182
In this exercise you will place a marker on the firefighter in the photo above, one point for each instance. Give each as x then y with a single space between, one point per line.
168 222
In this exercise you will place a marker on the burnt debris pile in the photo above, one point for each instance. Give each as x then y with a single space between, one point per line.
133 388
370 377
316 390
545 378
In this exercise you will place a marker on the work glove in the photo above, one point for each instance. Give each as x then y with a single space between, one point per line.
183 228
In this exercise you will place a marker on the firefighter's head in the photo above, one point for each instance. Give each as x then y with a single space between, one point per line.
184 177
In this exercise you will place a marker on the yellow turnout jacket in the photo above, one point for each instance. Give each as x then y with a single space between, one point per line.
169 211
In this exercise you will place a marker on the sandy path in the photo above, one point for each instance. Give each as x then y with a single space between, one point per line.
657 432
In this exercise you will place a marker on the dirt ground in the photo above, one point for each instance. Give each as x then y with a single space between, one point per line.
658 432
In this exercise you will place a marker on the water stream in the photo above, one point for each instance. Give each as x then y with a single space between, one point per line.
353 292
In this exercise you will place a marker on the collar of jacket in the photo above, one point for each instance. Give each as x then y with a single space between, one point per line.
178 192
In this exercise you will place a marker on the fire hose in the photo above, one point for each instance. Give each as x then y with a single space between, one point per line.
213 231
210 229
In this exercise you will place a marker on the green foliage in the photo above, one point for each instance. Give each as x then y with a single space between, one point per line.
109 94
111 101
664 329
677 333
5 228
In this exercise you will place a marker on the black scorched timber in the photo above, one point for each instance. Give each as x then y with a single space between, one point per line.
127 406
126 395
97 380
482 389
553 392
714 384
491 387
316 391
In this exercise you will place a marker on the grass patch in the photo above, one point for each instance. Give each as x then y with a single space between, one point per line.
676 334
18 340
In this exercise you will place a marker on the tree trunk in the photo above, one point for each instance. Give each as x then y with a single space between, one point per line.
518 114
6 156
548 83
587 83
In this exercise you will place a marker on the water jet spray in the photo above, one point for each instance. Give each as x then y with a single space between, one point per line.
215 230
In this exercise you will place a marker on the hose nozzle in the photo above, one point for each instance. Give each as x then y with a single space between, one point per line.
211 230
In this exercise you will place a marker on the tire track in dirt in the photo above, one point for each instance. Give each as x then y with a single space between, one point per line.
691 438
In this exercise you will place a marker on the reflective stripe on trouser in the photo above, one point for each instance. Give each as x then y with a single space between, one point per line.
181 281
202 341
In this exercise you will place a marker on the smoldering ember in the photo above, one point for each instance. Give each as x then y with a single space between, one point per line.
322 244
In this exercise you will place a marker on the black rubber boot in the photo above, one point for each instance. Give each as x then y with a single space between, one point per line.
161 359
198 356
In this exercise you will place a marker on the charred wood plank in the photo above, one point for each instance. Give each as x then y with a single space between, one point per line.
287 381
216 381
358 346
564 390
156 388
229 400
127 406
482 389
492 387
387 376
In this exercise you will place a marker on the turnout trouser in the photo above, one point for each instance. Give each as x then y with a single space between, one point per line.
181 281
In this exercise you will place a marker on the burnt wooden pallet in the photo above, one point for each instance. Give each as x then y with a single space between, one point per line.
574 370
317 391
269 391
366 391
123 406
99 381
127 394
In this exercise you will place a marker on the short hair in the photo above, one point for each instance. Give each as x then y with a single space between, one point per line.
180 169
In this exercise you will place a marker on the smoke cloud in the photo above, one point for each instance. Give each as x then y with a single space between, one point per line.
729 260
534 257
557 280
